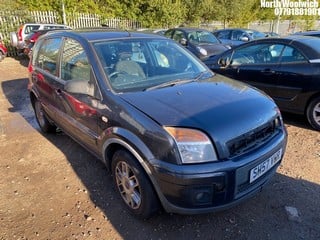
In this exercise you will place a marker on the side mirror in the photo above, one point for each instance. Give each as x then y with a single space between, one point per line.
79 86
183 41
222 62
244 39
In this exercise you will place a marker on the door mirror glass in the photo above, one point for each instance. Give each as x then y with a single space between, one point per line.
79 86
183 41
244 39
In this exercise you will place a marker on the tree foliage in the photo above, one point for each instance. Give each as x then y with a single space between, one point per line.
160 13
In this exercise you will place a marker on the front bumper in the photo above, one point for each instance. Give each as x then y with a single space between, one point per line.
203 188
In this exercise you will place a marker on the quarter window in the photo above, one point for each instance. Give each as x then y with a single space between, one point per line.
74 64
48 55
290 55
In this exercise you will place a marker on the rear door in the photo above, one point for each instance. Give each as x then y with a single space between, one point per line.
44 75
296 77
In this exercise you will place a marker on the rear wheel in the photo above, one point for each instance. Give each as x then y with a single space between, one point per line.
42 120
1 56
313 113
133 185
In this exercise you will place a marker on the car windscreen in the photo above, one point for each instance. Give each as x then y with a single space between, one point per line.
256 34
198 37
140 64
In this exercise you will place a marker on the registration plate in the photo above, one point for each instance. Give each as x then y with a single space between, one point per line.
263 167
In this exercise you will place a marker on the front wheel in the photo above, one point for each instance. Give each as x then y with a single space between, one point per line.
133 185
42 120
313 113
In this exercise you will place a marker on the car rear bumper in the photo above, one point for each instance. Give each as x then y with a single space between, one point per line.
213 187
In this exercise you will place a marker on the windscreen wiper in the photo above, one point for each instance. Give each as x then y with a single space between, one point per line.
169 84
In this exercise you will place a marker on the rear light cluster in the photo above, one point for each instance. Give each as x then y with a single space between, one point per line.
20 33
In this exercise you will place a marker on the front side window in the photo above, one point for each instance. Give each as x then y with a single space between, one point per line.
138 64
74 63
48 55
237 35
264 53
178 35
224 34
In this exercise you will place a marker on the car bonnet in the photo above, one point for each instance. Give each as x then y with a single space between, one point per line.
221 107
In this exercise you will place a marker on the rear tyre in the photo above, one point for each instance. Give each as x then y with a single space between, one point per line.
1 56
313 113
133 185
42 120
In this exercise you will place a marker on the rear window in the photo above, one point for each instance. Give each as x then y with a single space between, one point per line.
30 28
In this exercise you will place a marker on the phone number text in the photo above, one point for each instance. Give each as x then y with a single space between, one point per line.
297 11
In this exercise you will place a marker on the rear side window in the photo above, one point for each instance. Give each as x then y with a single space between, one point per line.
30 28
48 55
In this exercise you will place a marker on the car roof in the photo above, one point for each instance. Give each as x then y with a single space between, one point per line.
239 29
98 34
189 29
307 32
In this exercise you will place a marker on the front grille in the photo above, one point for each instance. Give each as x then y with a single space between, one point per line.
253 139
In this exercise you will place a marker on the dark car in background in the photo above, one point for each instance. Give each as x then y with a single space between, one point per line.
237 36
174 134
17 39
3 49
287 69
200 42
312 33
31 39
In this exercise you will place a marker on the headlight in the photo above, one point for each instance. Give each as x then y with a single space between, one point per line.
202 51
194 146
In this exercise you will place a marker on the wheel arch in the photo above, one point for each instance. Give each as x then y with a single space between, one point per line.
311 98
126 140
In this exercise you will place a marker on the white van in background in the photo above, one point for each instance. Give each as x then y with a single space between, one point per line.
17 39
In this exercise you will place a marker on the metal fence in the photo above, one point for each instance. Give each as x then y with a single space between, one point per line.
11 20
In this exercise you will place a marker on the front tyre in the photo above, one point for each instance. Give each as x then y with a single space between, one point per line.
133 185
42 120
313 113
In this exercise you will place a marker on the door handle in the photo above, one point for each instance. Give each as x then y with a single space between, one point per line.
58 91
268 71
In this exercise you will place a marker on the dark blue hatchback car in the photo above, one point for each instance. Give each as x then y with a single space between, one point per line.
173 134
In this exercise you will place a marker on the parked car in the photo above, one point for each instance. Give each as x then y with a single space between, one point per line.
313 33
237 36
200 42
17 39
3 49
287 69
272 34
173 134
32 38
